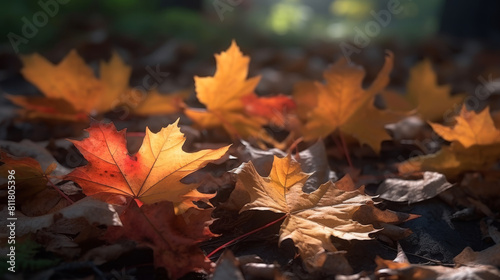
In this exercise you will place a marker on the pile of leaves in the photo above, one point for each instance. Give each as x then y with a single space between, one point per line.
253 167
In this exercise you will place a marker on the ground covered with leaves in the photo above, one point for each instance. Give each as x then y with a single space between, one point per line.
268 164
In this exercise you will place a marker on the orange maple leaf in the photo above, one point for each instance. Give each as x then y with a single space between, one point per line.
311 218
341 103
421 88
173 238
72 92
475 145
151 175
230 99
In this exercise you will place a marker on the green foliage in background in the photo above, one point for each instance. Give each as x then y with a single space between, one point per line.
150 21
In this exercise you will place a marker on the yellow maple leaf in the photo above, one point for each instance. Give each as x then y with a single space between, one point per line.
475 146
222 95
72 92
310 218
470 129
342 103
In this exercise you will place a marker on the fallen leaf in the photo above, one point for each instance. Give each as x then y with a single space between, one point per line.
64 236
413 190
223 96
310 218
37 151
71 90
94 211
470 129
422 87
312 160
474 146
341 103
151 175
489 256
173 238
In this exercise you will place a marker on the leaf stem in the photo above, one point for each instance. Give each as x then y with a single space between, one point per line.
245 235
294 145
59 191
346 150
153 227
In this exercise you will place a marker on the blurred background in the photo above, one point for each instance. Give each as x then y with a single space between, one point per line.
288 40
211 21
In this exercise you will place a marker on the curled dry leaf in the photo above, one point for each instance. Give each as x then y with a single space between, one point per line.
427 186
489 256
152 174
310 218
173 238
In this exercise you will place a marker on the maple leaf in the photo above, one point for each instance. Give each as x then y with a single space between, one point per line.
475 146
341 103
470 129
72 92
151 175
421 88
311 218
173 238
224 95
